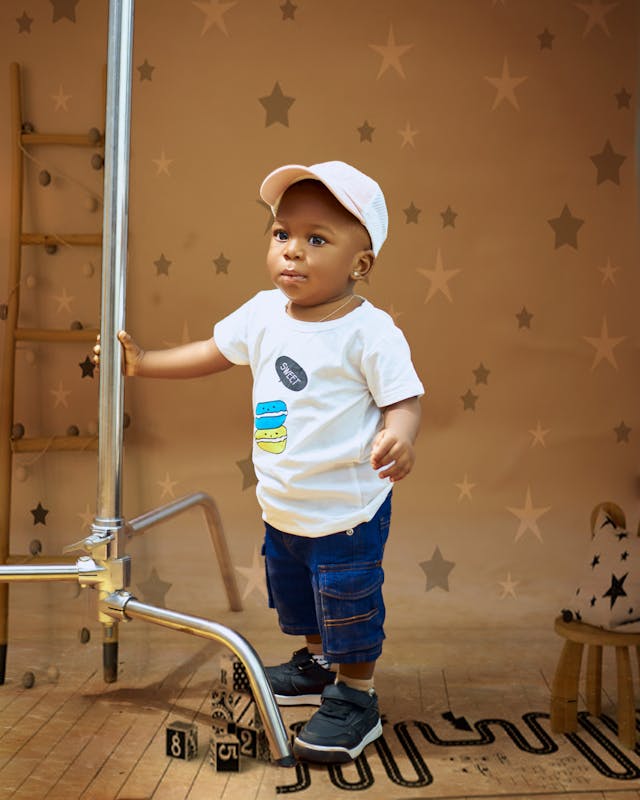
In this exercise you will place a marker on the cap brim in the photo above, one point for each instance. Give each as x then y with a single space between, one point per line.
277 182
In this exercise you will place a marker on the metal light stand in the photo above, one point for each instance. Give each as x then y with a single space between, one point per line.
103 565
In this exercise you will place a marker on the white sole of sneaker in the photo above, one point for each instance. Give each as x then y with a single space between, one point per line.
298 699
325 755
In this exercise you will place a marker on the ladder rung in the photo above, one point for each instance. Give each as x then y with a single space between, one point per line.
76 139
42 335
38 444
88 239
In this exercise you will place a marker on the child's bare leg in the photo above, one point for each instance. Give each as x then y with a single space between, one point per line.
362 671
314 644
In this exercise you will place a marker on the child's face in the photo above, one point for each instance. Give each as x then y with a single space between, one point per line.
316 245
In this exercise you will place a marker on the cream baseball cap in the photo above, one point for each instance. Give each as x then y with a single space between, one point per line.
357 192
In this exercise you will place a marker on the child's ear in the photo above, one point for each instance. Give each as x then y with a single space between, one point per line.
363 264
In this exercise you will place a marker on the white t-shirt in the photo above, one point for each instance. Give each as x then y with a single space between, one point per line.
318 391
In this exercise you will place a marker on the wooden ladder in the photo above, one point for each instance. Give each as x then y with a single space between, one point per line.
20 140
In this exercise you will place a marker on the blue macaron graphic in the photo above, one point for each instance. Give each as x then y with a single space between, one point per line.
270 415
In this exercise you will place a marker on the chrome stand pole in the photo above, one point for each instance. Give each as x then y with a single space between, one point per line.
108 522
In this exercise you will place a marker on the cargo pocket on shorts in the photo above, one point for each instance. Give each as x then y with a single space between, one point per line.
352 608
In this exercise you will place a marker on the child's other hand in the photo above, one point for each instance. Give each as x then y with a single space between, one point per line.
391 450
131 353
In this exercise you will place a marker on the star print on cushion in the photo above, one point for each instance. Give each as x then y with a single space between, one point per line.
608 595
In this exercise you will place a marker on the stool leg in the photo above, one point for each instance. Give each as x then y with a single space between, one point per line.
626 702
564 692
594 679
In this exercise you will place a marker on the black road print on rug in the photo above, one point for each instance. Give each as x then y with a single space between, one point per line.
412 734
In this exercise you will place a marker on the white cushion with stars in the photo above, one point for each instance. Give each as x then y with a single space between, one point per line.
608 594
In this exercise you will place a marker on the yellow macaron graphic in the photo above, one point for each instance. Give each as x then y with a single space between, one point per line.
271 435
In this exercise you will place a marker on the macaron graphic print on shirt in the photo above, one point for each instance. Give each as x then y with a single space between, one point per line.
271 435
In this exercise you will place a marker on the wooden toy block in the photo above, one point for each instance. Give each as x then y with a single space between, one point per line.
227 706
182 740
253 743
224 752
233 673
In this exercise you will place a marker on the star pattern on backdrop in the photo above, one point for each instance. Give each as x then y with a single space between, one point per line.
64 9
448 217
162 265
88 367
439 278
277 106
482 374
546 39
214 11
222 264
146 69
162 164
604 345
539 435
528 516
24 23
408 134
391 53
288 10
608 272
61 99
411 213
60 395
622 432
596 12
255 576
469 400
508 587
506 86
524 318
607 164
39 514
437 571
167 487
393 312
248 473
366 132
465 488
64 301
566 228
154 590
623 98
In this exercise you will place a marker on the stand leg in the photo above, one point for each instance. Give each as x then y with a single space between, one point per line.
4 624
564 692
594 679
110 652
626 703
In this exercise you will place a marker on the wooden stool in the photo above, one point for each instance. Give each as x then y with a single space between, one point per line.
564 693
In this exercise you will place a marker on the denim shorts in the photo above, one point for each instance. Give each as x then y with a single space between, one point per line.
331 585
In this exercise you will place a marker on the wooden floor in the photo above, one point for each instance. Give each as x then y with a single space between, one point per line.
466 716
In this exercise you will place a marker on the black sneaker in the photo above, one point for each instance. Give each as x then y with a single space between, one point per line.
300 681
346 722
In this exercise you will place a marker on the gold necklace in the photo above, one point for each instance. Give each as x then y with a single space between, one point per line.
335 310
